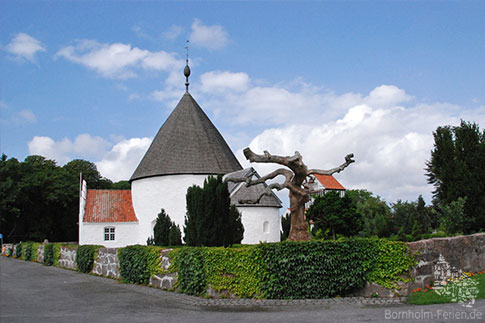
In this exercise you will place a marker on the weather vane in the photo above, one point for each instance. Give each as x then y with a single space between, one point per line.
187 68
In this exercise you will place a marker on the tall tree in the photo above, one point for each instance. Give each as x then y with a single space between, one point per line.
338 215
165 231
210 219
90 173
298 181
457 170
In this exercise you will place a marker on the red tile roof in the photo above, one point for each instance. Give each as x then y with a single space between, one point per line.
329 182
109 206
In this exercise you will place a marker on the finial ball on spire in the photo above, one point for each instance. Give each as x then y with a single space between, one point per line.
187 71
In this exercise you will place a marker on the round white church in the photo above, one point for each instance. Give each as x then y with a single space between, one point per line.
186 150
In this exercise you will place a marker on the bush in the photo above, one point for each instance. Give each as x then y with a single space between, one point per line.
27 251
138 263
18 250
52 253
85 256
315 269
49 254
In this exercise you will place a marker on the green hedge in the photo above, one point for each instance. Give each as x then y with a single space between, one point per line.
138 263
18 250
52 253
315 269
27 251
85 257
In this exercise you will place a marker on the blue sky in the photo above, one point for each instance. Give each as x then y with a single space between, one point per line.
96 80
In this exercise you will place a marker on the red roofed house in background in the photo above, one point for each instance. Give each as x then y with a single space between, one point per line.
325 183
108 214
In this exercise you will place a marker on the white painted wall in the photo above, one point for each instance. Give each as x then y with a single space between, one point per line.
151 194
126 233
253 219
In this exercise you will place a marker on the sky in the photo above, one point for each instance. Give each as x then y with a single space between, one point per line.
96 80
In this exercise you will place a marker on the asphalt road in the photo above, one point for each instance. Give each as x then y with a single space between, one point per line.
30 292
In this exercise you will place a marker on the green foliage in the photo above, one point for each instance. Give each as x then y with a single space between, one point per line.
338 214
286 226
315 269
166 232
386 261
174 235
18 250
457 170
210 220
49 254
35 250
453 218
27 251
235 270
161 229
37 197
138 263
121 185
376 214
52 253
85 257
190 266
90 173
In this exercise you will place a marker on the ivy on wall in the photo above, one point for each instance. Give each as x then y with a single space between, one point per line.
315 269
85 257
138 263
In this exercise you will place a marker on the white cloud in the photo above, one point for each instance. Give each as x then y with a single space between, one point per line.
83 146
173 32
116 161
387 95
25 47
121 161
391 144
118 60
28 116
220 81
210 37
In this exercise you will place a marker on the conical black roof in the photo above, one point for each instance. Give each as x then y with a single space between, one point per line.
187 143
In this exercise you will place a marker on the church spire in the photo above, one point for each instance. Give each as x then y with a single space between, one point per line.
187 68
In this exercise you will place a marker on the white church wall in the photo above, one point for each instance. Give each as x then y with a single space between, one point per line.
151 194
125 233
261 224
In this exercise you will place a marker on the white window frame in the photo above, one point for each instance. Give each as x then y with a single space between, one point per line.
109 233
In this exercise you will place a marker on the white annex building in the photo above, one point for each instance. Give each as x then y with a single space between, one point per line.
186 150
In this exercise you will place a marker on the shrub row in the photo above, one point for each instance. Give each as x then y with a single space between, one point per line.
316 269
85 254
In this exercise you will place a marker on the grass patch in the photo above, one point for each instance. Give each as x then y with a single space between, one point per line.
464 289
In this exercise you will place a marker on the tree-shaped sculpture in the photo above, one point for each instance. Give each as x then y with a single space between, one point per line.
298 181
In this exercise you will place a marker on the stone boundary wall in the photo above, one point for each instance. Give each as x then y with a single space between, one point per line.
436 259
68 257
440 258
107 264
